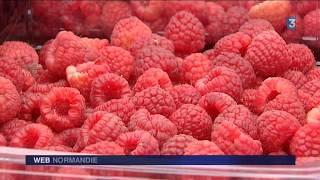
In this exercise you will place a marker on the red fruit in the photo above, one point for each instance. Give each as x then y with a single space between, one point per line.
276 128
233 141
176 144
296 77
302 58
155 100
104 148
211 54
43 52
138 143
235 43
62 108
194 67
67 138
304 7
126 32
249 99
153 77
264 54
148 10
182 34
309 94
306 140
234 18
311 25
32 136
184 94
157 25
94 47
313 116
192 120
202 148
3 141
215 15
89 8
30 105
61 148
10 102
221 79
9 128
255 26
313 74
108 86
99 126
157 125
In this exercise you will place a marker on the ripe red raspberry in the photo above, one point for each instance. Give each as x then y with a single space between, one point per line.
138 143
157 125
309 94
296 77
123 108
3 140
62 108
311 25
105 148
99 126
153 77
108 86
233 141
61 148
313 74
43 52
156 57
275 129
119 60
10 102
9 128
249 99
192 120
94 47
302 58
235 43
221 79
67 138
148 10
211 54
126 31
194 67
313 115
30 105
240 65
156 100
234 18
32 136
261 53
176 144
203 148
182 33
184 94
255 26
215 15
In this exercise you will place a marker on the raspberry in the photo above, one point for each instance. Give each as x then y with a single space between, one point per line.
150 10
105 148
99 126
232 141
313 74
194 67
309 94
296 77
9 128
240 65
156 57
43 52
304 7
261 53
302 58
249 99
203 148
108 86
155 100
88 8
215 15
119 60
313 116
138 143
184 94
311 25
176 144
153 77
211 54
3 141
30 105
67 138
62 108
10 102
126 31
123 108
94 47
157 125
234 18
221 79
192 120
184 28
236 43
275 129
255 26
306 140
61 148
32 136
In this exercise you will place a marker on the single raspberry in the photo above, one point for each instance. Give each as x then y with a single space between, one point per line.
32 136
3 140
275 129
156 57
313 74
302 58
126 31
9 128
157 125
30 105
138 143
99 126
203 148
156 100
176 144
123 108
311 25
94 47
119 60
261 53
313 115
148 10
153 77
108 86
62 108
215 15
249 99
192 120
105 148
233 141
234 18
309 94
215 12
296 77
184 28
221 79
240 65
67 138
237 43
194 67
184 94
255 26
61 148
303 7
10 102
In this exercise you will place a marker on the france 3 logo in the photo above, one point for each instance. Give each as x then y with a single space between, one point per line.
291 23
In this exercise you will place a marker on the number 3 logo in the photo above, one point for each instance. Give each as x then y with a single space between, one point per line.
291 23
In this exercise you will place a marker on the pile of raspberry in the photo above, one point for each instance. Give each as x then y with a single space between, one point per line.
141 93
